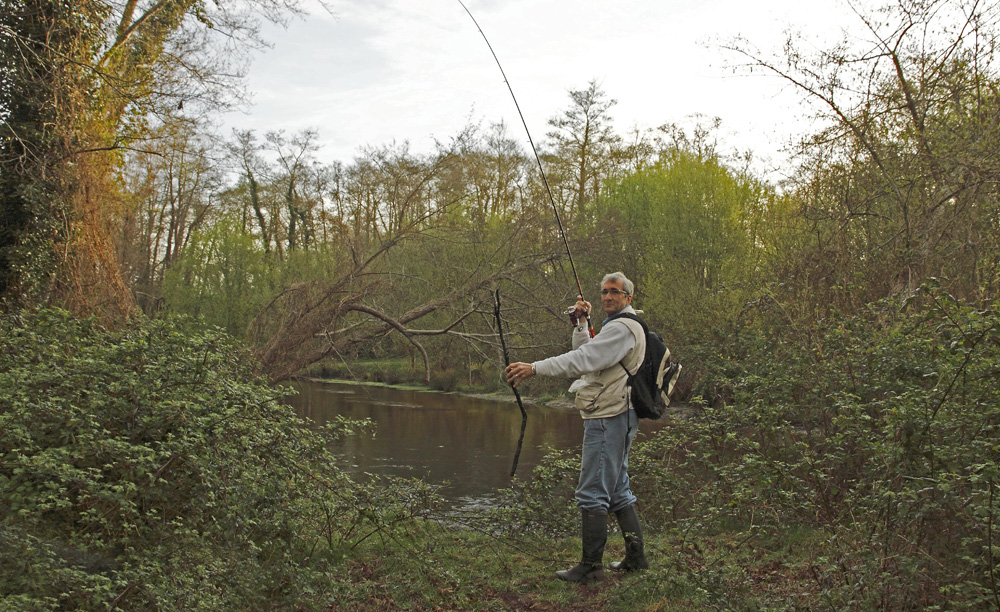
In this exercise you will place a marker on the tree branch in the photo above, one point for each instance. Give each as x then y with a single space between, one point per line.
395 324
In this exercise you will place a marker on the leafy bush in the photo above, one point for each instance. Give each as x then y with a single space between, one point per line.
542 505
881 429
148 469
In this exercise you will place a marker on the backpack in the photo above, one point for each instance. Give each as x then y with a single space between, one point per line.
654 381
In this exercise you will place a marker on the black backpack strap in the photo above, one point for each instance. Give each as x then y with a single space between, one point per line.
645 331
633 316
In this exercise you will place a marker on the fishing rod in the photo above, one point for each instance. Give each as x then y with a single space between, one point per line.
538 160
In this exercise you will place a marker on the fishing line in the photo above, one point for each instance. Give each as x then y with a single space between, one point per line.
538 160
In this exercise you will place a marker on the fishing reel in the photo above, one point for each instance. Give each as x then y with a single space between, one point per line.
571 313
575 318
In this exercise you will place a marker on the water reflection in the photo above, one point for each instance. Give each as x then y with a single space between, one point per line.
462 442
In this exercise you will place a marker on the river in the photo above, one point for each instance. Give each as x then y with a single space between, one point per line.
464 444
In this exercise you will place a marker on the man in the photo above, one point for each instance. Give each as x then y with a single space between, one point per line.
610 424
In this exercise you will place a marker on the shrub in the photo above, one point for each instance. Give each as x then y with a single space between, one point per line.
147 468
881 429
543 504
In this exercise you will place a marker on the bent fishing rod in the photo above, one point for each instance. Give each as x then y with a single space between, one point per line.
538 160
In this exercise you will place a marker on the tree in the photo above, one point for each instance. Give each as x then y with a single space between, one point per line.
582 143
901 184
253 173
394 206
170 186
224 277
493 173
83 82
294 156
691 232
404 252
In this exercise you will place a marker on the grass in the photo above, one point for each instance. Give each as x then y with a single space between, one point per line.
444 567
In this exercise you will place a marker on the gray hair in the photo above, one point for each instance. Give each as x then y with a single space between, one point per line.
618 277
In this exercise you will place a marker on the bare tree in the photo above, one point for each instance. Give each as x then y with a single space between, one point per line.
171 185
294 157
407 260
901 183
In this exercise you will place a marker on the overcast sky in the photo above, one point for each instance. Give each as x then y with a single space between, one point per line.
379 71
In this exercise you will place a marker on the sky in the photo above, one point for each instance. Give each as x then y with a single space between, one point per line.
376 72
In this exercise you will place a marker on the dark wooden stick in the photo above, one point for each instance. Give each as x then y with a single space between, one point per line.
517 394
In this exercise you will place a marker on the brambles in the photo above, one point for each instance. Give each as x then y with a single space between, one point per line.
881 433
148 468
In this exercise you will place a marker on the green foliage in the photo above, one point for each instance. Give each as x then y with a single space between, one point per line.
881 431
223 277
691 239
544 504
147 469
226 278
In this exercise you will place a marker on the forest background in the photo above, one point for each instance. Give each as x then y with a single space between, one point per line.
839 331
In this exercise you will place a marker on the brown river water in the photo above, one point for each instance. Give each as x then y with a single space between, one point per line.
464 444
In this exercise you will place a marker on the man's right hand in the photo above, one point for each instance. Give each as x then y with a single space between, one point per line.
518 373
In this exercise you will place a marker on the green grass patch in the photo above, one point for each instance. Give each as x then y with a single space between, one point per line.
447 567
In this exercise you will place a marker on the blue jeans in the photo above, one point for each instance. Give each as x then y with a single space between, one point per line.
603 485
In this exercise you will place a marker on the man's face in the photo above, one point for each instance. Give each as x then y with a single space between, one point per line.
613 297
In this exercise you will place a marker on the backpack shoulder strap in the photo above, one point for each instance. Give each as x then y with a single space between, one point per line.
632 317
645 331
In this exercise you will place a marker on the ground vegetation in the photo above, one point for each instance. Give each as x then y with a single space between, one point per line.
837 447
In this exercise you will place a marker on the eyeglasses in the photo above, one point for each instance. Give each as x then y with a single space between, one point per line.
614 292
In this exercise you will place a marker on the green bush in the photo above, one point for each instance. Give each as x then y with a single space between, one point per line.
147 468
543 504
881 430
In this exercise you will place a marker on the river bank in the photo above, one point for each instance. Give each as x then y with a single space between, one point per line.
565 402
463 449
497 396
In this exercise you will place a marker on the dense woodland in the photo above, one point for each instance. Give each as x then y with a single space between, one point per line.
840 330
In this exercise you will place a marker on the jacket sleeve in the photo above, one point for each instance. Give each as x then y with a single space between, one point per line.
592 354
581 335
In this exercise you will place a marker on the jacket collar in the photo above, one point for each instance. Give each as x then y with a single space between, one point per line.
614 314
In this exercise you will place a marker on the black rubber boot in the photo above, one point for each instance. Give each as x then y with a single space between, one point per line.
595 536
635 554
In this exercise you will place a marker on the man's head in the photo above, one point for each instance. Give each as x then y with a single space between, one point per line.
616 292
